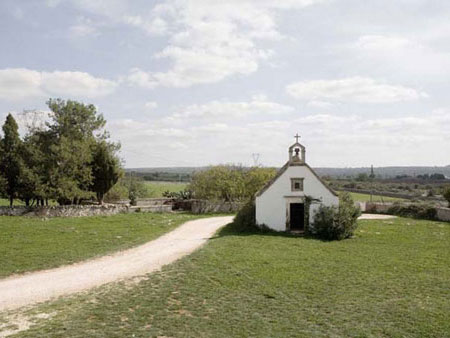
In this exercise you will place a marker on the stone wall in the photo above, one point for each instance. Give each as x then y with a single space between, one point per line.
443 214
64 211
152 208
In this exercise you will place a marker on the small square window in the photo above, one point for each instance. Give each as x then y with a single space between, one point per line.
296 184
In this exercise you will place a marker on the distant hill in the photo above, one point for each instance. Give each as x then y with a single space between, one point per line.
384 172
171 170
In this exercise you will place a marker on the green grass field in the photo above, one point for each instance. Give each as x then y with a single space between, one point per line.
156 189
357 197
391 280
28 244
4 202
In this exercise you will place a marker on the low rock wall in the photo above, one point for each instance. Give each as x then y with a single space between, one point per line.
380 208
64 211
143 202
152 208
443 214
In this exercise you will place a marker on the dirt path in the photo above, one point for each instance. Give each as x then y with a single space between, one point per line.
376 216
44 285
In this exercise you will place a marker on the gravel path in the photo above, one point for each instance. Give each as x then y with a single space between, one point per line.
47 284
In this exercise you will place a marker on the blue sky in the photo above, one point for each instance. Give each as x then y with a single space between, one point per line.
198 82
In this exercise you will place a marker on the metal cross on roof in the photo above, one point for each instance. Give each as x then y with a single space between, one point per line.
297 137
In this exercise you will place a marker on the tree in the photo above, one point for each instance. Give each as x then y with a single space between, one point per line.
255 179
230 182
362 177
11 164
74 129
446 195
36 179
106 168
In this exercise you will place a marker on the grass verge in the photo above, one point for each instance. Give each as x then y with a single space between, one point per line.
357 197
390 280
156 189
28 244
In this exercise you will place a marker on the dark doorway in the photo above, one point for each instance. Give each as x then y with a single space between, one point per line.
297 213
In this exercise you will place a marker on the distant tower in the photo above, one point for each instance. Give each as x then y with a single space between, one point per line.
372 174
371 177
255 157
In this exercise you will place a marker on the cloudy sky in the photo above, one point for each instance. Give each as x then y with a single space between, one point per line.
198 82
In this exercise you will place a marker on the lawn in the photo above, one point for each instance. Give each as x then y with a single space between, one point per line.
4 202
392 280
357 197
156 189
28 244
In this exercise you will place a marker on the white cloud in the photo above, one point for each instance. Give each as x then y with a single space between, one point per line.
328 137
259 106
156 25
138 77
383 43
21 83
83 28
151 105
353 89
320 104
402 55
209 40
52 3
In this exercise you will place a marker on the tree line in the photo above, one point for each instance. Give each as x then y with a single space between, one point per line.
68 159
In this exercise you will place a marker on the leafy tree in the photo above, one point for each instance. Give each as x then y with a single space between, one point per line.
136 189
37 177
362 177
106 168
11 164
255 179
74 129
229 183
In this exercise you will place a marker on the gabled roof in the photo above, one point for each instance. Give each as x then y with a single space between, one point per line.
284 168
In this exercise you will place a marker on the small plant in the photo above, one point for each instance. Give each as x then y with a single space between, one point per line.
446 195
336 223
133 198
185 194
245 219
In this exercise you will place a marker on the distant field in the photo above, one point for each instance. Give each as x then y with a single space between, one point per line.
366 198
156 189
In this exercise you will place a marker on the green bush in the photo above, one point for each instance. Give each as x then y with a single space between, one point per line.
245 219
446 195
336 223
417 210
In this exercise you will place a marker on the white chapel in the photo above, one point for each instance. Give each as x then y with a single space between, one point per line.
289 201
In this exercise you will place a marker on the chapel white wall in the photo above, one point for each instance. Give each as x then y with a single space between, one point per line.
271 205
